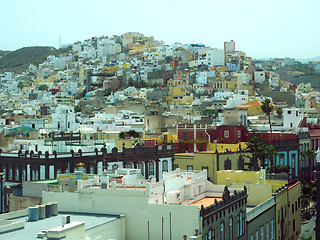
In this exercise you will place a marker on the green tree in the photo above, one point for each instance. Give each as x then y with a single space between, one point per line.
267 108
269 152
43 87
20 85
122 135
133 133
256 147
279 111
308 155
130 82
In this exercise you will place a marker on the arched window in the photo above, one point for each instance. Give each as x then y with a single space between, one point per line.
165 166
231 228
10 173
222 235
140 166
17 174
114 167
91 169
281 159
151 168
129 165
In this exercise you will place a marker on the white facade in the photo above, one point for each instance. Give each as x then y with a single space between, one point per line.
107 47
64 119
202 78
215 57
230 47
142 205
239 98
291 118
259 77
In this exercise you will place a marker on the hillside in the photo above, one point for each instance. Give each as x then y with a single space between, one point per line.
300 74
19 60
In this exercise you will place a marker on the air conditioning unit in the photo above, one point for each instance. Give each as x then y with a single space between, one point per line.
65 219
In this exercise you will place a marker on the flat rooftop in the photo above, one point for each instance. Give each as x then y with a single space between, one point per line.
206 201
32 228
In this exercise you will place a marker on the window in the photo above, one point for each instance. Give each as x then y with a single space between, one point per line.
294 225
175 166
289 112
262 233
129 165
271 229
281 159
222 231
165 166
226 134
151 168
251 237
201 135
296 205
140 166
114 167
189 167
239 134
213 235
230 228
298 202
257 235
291 124
267 231
209 234
238 224
297 113
278 216
292 206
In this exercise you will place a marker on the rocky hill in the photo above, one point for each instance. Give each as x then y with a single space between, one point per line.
19 60
297 74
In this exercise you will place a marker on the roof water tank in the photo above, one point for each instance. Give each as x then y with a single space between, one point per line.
48 210
54 208
33 214
42 211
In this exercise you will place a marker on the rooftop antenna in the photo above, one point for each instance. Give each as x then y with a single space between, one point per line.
59 42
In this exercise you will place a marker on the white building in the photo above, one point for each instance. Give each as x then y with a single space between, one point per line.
291 118
259 77
172 204
64 119
215 57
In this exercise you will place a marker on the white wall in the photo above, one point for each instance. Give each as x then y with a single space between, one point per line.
134 205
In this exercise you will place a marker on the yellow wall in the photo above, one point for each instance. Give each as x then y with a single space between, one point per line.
276 184
257 193
128 143
223 146
238 177
207 159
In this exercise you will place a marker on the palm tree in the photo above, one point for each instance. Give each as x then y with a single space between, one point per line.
267 108
309 154
270 152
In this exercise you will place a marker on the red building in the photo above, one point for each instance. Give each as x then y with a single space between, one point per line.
192 138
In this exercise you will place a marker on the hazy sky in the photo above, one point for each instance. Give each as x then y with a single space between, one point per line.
273 28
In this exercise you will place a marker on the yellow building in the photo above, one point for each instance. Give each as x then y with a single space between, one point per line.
221 147
49 79
253 107
177 96
212 161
